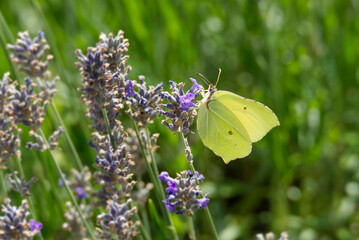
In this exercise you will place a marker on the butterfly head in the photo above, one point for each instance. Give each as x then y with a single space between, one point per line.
211 90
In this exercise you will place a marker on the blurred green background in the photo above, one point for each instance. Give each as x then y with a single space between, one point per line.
300 58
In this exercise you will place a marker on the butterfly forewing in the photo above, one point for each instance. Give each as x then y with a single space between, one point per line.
222 132
255 117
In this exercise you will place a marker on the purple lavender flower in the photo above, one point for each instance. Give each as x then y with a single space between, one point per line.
180 110
129 90
99 91
143 102
113 50
26 106
186 101
204 201
14 224
117 221
80 193
61 183
195 86
30 54
35 226
113 175
183 193
163 176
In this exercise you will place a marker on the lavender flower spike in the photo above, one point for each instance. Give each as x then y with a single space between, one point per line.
180 109
14 224
183 192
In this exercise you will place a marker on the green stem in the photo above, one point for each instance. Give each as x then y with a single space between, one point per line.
206 210
191 228
6 27
3 44
3 186
104 112
154 166
68 190
143 230
72 146
145 220
155 179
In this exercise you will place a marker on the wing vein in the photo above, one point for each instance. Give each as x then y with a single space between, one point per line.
228 122
218 130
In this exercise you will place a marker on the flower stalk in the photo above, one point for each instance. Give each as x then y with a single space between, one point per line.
155 179
191 228
206 210
143 230
68 190
68 138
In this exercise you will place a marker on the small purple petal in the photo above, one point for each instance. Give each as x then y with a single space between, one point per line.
186 101
170 206
163 176
203 201
35 226
129 90
60 183
195 85
80 193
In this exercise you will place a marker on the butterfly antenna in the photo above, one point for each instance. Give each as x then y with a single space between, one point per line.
204 78
219 74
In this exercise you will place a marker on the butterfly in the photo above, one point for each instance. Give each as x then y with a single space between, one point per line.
228 124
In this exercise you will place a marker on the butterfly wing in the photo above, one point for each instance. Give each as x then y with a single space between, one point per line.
222 132
255 117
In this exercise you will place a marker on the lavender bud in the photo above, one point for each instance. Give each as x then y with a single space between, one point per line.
74 223
117 221
39 143
113 50
20 185
14 224
143 103
114 170
30 54
53 138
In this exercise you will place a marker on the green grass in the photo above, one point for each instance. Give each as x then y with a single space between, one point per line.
300 58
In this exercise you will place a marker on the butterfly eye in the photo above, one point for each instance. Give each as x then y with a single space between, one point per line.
230 132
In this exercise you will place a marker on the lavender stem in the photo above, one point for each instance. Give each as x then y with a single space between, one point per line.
3 187
206 210
68 190
143 230
191 228
72 146
155 179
